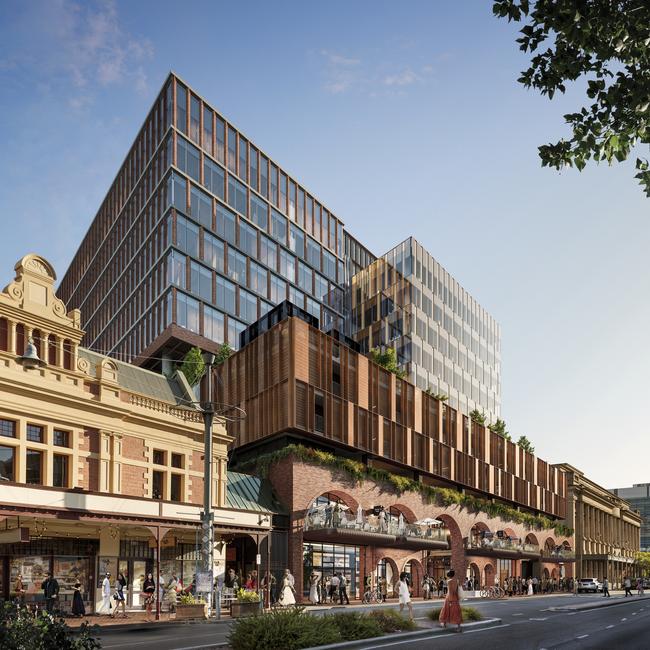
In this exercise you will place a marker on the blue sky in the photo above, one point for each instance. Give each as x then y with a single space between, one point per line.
404 118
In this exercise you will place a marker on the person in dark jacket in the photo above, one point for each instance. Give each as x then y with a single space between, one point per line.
78 607
50 587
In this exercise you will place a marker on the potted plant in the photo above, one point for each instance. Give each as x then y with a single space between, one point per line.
247 604
189 607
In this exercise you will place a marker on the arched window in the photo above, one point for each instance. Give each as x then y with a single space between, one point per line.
20 339
67 354
4 335
51 350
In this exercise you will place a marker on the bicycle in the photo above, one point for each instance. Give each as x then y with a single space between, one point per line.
371 596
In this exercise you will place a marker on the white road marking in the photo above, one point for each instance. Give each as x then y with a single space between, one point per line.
517 614
609 627
419 639
633 613
582 636
538 619
623 619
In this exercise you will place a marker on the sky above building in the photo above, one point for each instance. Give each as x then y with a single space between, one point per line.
404 119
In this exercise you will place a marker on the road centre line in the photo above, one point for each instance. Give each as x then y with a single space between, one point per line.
430 638
609 627
582 636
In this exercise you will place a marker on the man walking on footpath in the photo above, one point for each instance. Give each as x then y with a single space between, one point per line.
105 607
605 587
628 587
50 587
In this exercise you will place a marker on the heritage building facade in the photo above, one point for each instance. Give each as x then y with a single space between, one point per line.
607 529
101 462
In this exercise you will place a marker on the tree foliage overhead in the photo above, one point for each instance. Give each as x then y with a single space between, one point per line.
525 444
606 43
478 417
193 366
499 427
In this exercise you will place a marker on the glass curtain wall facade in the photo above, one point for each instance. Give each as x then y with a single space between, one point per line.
638 496
445 341
204 231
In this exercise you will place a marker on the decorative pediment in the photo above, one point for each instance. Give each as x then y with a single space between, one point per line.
32 291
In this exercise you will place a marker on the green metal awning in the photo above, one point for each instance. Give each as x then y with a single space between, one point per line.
246 492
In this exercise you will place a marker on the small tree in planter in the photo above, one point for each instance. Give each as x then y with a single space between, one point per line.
247 604
189 607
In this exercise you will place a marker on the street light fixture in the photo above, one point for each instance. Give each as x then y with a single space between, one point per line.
30 360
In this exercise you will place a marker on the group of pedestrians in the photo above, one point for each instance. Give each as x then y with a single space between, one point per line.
333 589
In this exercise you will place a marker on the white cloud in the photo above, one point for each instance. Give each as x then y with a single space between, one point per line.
404 78
341 72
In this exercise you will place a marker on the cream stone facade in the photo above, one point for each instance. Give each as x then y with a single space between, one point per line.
101 463
607 529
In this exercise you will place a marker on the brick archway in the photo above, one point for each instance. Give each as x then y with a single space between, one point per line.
343 497
488 575
531 539
391 579
409 516
417 575
457 544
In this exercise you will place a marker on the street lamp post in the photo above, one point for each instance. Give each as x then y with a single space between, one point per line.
207 516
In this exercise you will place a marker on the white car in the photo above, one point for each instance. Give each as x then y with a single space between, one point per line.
589 585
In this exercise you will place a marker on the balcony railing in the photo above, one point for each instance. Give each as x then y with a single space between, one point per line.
559 554
496 544
372 524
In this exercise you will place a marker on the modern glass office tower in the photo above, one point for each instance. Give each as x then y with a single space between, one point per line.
200 234
445 341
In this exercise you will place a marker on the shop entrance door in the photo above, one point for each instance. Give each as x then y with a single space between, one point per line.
135 571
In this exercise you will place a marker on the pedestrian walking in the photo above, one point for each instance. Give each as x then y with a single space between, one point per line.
19 590
120 600
334 588
343 589
50 587
628 587
426 587
404 594
639 586
78 607
149 590
287 595
530 586
105 607
605 587
451 612
314 579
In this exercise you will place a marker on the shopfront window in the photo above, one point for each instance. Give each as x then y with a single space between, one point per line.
327 559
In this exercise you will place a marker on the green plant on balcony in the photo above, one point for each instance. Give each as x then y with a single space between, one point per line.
400 484
478 417
387 359
499 427
525 444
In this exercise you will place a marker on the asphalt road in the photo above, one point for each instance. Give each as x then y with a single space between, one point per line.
527 623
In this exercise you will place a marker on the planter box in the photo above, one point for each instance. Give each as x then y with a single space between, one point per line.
188 612
239 610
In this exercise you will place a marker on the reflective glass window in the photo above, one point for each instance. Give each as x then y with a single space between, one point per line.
297 240
232 150
213 324
297 297
259 212
243 157
274 184
220 139
187 312
278 226
176 269
252 178
226 221
236 266
188 159
257 278
248 239
225 295
278 289
214 178
287 265
235 328
264 176
187 236
247 306
201 205
201 281
237 195
208 133
195 118
304 277
283 192
268 252
213 252
181 108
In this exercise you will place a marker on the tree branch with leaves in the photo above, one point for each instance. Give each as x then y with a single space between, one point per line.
607 44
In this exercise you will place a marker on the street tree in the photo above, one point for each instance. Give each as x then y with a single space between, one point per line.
605 43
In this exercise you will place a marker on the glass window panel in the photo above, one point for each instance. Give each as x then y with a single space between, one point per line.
237 195
300 217
283 192
220 139
252 178
181 108
243 157
257 278
248 239
247 306
176 269
214 178
287 265
61 438
213 324
201 207
178 192
264 176
232 150
8 428
213 251
278 226
195 118
236 266
296 297
35 433
226 224
7 463
225 295
329 265
292 200
201 281
60 474
259 212
235 328
297 241
208 133
187 312
188 159
304 277
268 252
187 236
278 289
321 287
34 467
274 184
313 307
313 253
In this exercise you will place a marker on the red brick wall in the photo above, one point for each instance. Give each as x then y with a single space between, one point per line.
133 482
133 448
196 461
297 484
89 441
196 489
90 473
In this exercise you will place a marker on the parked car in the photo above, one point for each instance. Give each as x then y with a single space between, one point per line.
589 585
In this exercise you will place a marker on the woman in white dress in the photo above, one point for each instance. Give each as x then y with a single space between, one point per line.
286 595
404 594
314 579
530 586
